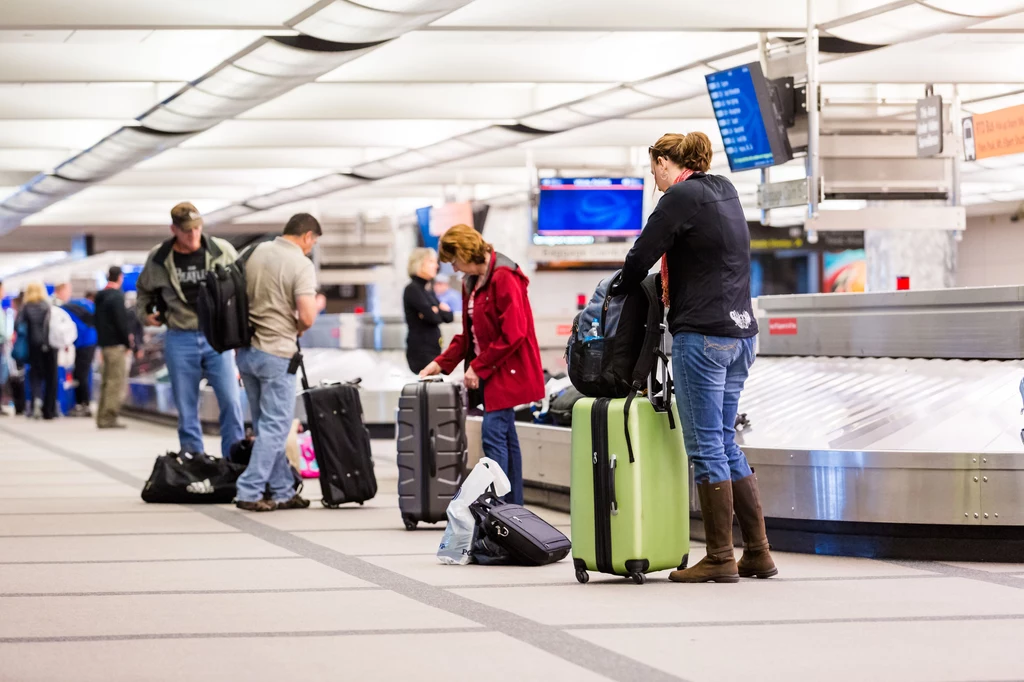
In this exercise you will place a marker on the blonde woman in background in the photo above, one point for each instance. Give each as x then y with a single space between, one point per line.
424 314
42 360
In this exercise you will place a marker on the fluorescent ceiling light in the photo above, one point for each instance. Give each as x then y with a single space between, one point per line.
307 190
680 85
231 81
348 22
227 214
842 205
557 120
198 104
449 150
618 102
163 119
296 56
414 6
28 202
55 186
116 152
497 137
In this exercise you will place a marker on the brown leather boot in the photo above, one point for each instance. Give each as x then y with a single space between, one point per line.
756 560
719 566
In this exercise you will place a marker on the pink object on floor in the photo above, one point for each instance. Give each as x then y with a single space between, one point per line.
307 458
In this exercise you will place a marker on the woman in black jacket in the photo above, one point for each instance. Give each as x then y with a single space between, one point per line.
34 316
423 312
699 232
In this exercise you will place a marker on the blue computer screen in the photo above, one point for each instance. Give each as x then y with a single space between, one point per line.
608 207
740 119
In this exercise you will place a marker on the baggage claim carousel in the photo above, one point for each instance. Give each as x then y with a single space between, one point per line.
880 425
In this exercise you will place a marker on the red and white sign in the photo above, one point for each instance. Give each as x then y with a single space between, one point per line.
782 326
563 330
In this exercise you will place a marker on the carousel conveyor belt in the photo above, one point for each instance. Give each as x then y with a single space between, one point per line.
902 458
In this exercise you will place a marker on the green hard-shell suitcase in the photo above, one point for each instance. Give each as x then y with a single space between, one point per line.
629 518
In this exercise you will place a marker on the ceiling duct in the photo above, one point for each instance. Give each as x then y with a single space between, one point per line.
335 32
265 70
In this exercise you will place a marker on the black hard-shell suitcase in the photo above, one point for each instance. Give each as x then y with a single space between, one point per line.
341 441
528 539
432 454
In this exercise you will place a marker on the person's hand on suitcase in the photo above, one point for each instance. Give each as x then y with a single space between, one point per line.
430 370
471 380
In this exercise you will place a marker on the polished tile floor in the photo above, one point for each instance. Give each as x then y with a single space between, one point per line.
96 585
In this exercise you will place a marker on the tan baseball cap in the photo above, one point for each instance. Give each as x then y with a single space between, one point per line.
186 217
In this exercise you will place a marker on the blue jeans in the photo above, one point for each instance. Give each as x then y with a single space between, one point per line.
709 373
271 391
189 359
501 443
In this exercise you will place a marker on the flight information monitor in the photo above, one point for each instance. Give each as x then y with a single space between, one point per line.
591 207
749 117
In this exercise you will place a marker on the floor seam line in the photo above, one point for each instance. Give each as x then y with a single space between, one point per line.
555 641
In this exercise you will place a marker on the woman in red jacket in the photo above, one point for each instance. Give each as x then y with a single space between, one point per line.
498 343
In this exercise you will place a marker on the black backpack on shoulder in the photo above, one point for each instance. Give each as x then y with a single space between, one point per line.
223 306
615 346
616 340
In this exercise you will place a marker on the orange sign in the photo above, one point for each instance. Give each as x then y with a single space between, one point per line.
999 133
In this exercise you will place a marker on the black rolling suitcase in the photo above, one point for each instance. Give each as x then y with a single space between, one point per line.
431 439
334 414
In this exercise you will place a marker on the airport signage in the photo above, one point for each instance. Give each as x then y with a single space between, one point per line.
929 126
997 133
782 194
782 326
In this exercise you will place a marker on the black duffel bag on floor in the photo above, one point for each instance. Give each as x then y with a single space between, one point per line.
192 479
511 534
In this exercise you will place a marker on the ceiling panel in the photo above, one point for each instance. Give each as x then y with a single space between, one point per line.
336 158
376 133
69 135
76 100
326 100
503 57
164 56
618 15
104 13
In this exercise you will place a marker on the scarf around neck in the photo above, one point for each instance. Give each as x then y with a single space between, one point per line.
664 259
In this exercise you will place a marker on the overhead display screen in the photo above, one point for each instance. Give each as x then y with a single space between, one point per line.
750 124
597 207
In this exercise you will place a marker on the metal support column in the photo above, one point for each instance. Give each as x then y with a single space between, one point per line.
813 125
762 53
955 114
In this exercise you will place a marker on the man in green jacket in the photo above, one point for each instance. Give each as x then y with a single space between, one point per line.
168 288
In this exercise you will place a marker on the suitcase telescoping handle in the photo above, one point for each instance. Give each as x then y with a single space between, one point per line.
611 486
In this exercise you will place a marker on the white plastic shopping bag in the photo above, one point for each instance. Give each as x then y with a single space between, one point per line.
458 535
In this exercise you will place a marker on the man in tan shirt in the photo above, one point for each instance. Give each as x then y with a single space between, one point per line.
281 284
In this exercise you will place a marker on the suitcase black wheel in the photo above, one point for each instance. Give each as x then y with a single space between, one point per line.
686 560
638 578
328 505
583 577
410 523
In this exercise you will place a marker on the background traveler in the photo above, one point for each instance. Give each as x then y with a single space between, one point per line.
448 294
5 359
42 360
16 380
699 231
281 284
167 291
423 312
114 339
498 341
83 313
